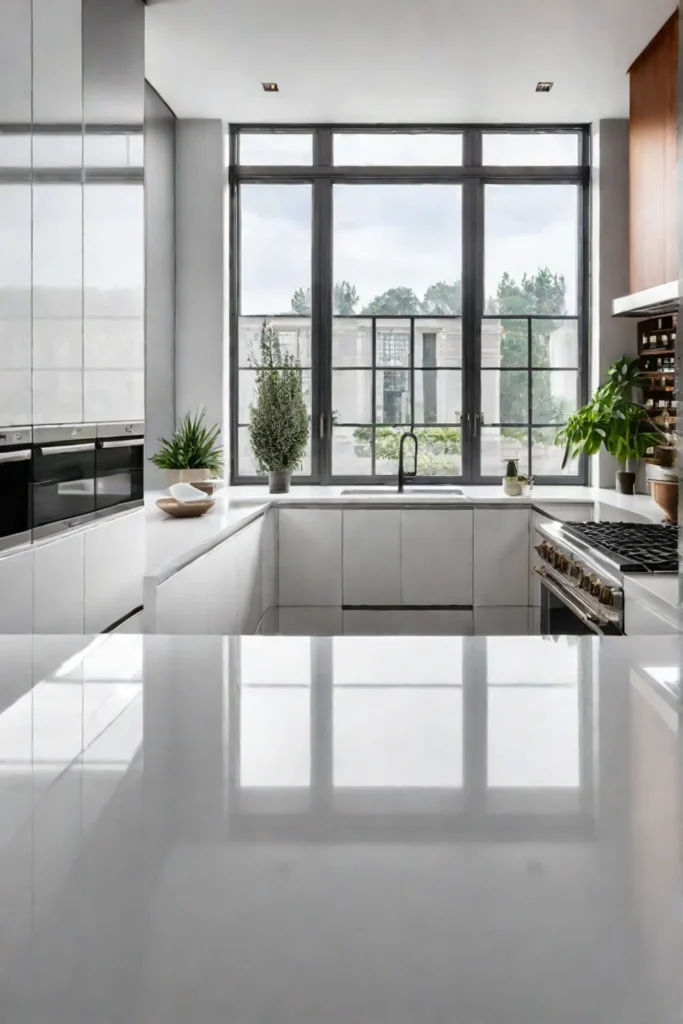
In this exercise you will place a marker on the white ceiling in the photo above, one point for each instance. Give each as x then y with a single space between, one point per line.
398 60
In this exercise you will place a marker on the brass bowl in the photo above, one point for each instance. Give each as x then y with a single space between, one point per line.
665 494
185 509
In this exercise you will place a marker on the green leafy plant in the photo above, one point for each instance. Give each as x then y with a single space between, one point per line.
279 421
437 447
612 419
193 446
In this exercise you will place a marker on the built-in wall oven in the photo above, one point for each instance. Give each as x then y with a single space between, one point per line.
15 489
62 477
118 466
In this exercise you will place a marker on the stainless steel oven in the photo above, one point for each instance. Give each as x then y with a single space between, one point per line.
62 477
118 466
581 592
15 490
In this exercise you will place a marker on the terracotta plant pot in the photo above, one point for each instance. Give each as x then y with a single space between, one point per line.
665 493
186 476
626 483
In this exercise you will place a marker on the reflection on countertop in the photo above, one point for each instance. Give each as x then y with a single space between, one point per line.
352 829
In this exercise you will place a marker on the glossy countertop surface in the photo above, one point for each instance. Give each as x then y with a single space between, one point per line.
340 831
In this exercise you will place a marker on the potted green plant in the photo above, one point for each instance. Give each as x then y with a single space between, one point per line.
278 418
614 420
192 453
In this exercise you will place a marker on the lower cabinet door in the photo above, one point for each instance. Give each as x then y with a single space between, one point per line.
114 567
408 622
59 581
641 619
371 557
511 621
436 556
16 592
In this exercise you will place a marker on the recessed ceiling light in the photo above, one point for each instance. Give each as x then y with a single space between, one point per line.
544 86
270 86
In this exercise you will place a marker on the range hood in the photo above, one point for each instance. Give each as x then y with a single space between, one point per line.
652 302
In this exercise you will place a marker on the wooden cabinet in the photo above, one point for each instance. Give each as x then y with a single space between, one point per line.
436 557
652 161
371 557
501 557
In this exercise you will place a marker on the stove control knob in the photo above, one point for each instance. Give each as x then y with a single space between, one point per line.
606 595
585 582
596 586
575 571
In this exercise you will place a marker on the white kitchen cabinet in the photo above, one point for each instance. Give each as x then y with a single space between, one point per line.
250 606
310 557
16 592
436 556
59 585
114 567
325 621
501 557
221 576
184 602
269 560
510 621
407 622
644 619
371 556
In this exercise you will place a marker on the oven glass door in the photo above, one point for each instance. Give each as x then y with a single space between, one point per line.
15 478
559 618
63 483
119 472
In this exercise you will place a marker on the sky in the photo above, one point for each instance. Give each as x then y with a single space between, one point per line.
402 236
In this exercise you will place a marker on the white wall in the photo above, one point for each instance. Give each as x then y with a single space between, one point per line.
610 338
201 355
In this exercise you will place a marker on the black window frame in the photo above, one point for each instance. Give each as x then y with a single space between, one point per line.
473 176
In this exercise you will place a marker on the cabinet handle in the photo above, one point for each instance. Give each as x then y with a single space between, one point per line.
322 425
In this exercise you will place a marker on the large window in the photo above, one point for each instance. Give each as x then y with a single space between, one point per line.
433 279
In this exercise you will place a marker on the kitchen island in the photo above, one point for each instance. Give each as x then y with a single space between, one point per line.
357 829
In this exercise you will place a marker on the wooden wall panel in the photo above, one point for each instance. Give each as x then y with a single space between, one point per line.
653 231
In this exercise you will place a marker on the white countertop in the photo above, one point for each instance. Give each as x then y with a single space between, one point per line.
173 543
350 831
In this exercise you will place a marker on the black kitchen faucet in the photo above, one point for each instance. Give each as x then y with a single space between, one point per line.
401 471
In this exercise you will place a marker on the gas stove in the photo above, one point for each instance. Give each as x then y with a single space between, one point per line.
582 565
631 547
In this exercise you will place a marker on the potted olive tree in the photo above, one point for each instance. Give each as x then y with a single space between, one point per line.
614 420
278 421
192 454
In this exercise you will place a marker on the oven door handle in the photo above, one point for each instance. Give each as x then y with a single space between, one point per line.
590 620
64 449
132 443
19 456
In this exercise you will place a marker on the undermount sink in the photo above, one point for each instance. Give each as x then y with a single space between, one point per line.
436 492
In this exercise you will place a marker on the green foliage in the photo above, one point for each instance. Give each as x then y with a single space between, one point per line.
612 418
345 300
279 422
436 447
394 302
443 299
193 446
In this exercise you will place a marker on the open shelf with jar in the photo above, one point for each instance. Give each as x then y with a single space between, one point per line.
657 356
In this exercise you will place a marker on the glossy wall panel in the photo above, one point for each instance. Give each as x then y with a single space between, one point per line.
71 211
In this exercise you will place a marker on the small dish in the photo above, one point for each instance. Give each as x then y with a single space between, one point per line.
185 509
208 486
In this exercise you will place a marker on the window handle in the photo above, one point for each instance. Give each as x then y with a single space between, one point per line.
322 425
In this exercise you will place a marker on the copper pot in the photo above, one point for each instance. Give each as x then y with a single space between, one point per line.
665 493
